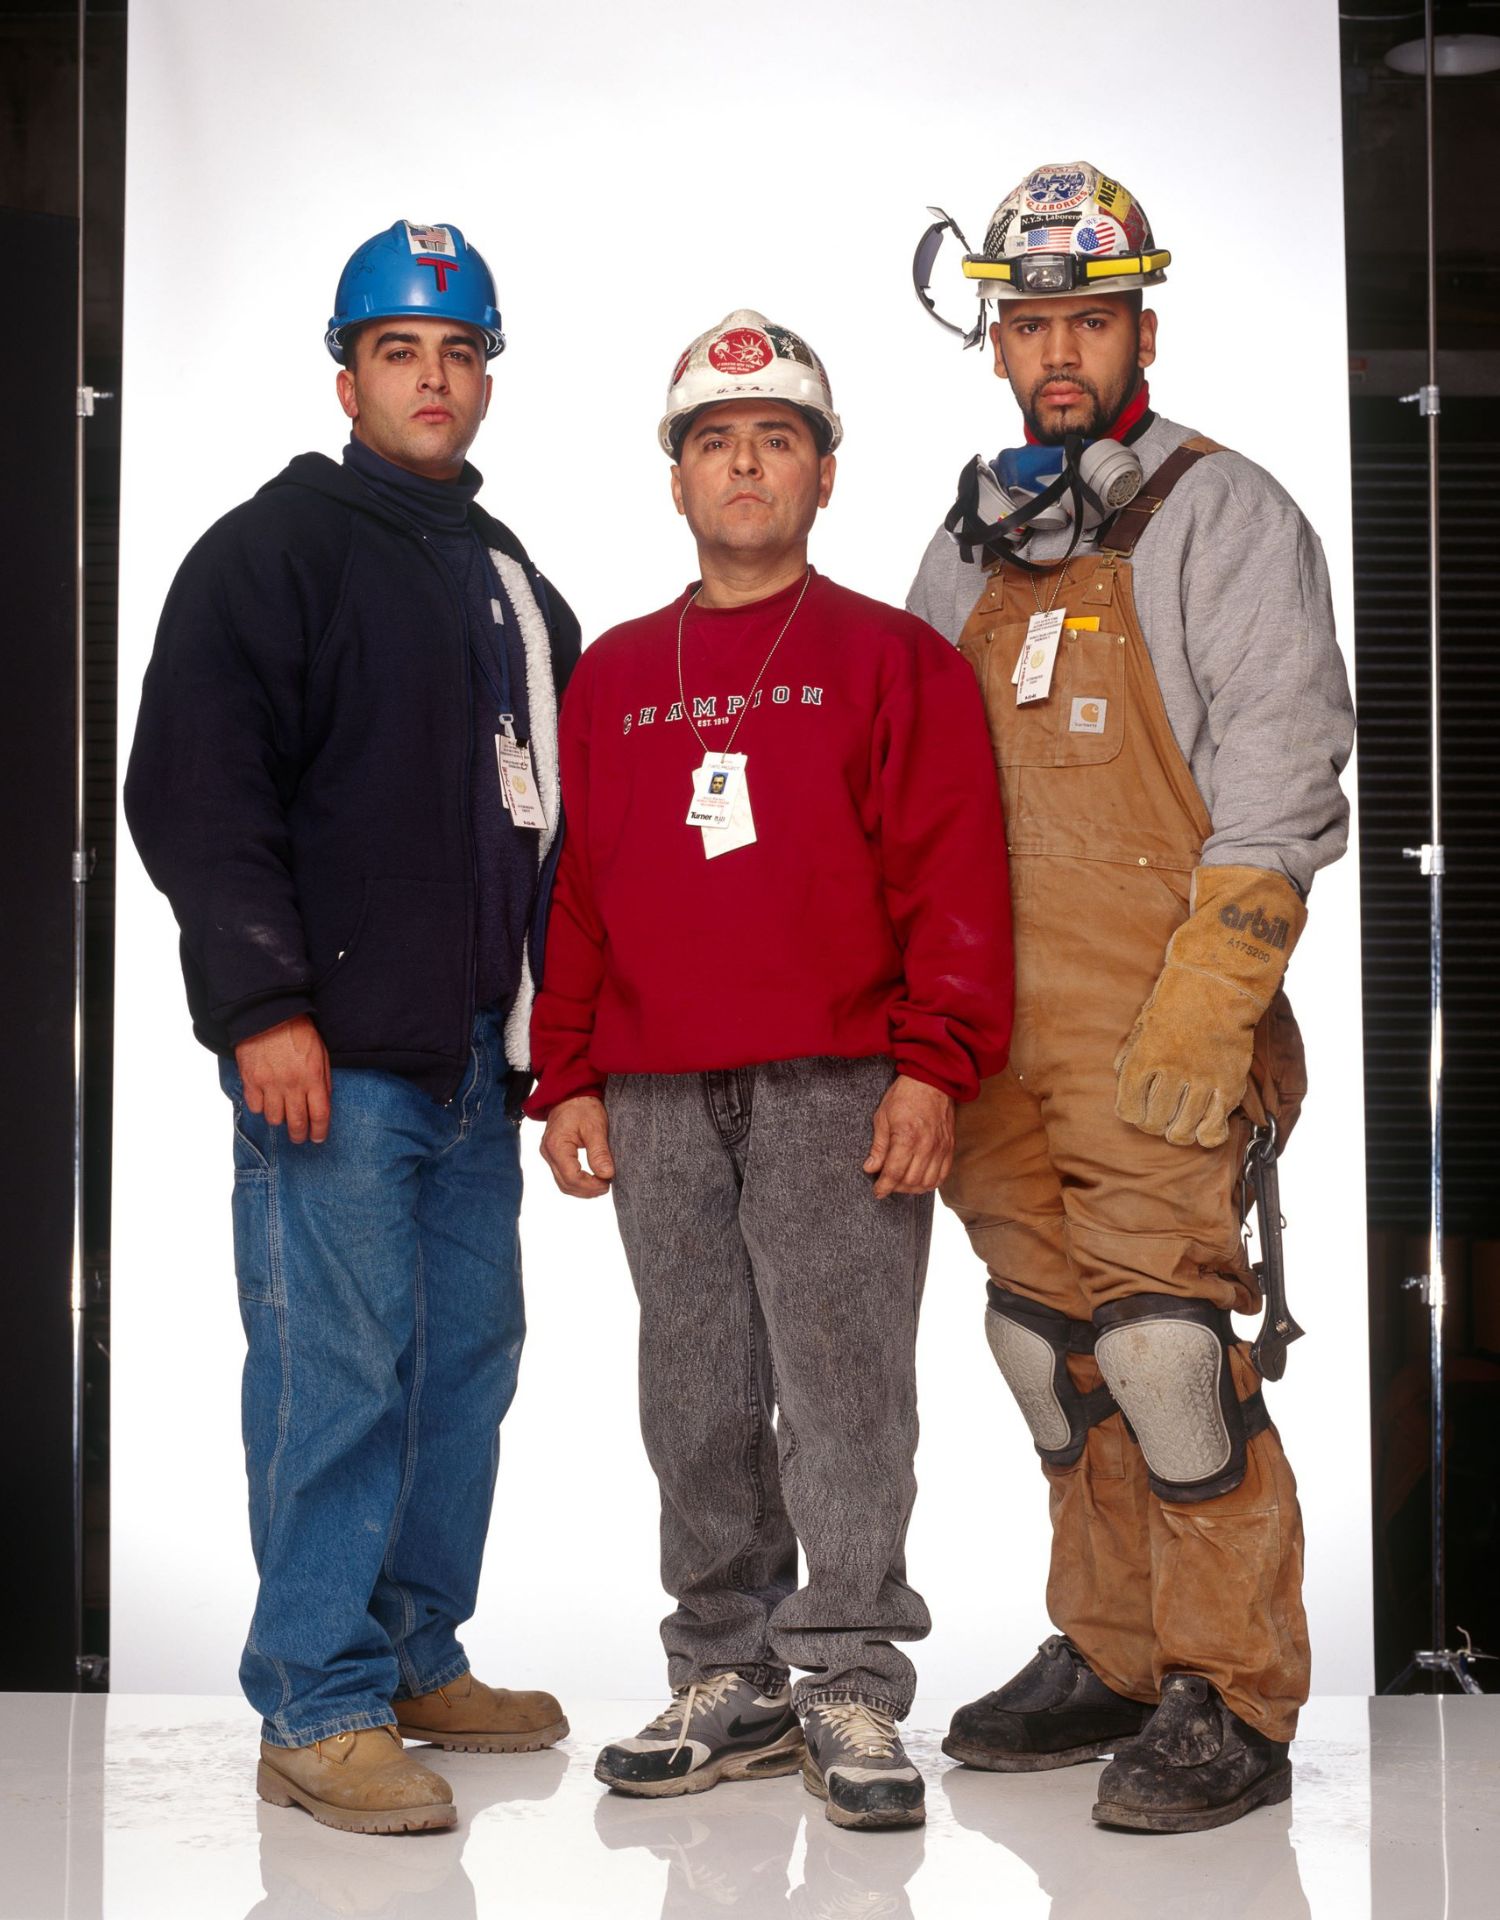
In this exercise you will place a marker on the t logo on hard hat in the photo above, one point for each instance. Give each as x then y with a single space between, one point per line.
441 269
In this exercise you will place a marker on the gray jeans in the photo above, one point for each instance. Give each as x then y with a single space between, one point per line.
774 1286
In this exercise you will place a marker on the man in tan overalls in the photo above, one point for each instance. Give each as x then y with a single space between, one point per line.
1170 713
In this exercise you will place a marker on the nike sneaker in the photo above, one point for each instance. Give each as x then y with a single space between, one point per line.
716 1729
855 1761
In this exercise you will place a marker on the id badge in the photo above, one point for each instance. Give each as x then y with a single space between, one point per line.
714 787
1075 623
1038 657
727 799
518 782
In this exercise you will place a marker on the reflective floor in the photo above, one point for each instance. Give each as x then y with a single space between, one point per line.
141 1807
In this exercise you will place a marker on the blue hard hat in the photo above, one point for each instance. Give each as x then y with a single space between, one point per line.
429 272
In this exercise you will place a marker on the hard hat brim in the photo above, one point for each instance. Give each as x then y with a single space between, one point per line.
673 427
338 326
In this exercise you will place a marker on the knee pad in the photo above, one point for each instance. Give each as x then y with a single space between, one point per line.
1031 1344
1166 1362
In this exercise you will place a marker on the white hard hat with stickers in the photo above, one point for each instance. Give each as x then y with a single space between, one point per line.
1066 229
744 357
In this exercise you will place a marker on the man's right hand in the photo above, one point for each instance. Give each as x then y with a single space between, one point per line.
575 1125
287 1079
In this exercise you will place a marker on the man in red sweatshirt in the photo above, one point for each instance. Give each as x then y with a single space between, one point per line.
779 954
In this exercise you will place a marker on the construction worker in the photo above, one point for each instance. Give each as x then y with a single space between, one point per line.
780 909
1148 616
344 779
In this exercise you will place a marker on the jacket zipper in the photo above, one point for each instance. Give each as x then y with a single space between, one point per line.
472 901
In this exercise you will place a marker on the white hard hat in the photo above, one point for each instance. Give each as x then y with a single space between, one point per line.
744 356
1065 229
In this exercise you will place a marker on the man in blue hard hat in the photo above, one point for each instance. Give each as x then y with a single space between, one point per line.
344 779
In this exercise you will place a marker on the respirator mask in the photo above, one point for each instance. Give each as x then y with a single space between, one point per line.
1079 484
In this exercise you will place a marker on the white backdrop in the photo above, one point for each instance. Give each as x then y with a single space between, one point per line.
632 174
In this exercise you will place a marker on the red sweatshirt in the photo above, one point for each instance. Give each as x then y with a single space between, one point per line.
872 913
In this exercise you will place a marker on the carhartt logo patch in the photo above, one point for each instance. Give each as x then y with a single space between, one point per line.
1088 715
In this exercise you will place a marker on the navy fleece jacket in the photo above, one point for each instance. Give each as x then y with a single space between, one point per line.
299 786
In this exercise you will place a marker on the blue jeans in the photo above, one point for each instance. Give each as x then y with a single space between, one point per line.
380 1288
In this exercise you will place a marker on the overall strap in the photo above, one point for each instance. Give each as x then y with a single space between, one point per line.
1132 521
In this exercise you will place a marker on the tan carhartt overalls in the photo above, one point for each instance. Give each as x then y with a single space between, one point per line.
1067 1204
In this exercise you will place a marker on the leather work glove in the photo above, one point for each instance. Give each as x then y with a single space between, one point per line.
1182 1072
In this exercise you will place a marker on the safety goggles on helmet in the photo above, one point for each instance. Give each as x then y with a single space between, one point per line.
428 273
744 357
925 259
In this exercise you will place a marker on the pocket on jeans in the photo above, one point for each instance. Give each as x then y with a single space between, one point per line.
254 1264
248 1158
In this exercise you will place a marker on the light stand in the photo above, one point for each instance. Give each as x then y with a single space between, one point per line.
1440 1658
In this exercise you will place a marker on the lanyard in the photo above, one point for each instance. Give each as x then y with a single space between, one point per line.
682 692
1058 584
506 631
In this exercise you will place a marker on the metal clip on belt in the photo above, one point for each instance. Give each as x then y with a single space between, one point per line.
1278 1329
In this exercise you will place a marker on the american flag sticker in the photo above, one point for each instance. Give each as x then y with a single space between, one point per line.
1055 239
430 240
1098 237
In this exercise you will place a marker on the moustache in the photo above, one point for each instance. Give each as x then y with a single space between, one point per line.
1078 380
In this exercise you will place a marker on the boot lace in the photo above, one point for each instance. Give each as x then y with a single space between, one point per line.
862 1729
701 1697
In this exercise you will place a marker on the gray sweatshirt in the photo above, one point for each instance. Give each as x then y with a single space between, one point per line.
1232 592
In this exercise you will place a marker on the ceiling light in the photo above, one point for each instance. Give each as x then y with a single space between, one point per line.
1457 53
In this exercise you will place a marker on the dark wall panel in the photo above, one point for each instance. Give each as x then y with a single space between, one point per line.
36 984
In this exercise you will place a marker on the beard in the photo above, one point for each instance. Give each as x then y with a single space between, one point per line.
1092 417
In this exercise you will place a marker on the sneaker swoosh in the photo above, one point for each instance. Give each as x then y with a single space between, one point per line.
739 1729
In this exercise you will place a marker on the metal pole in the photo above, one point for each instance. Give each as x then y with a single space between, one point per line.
1440 1658
1437 1285
80 885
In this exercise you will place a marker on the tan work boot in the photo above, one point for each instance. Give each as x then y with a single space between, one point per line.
364 1782
466 1716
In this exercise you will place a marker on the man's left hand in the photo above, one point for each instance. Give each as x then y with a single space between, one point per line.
913 1145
